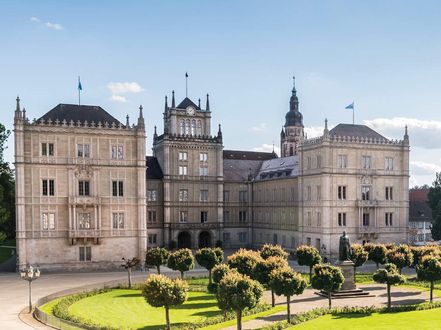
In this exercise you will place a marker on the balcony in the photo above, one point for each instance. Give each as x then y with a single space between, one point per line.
84 200
85 233
189 226
367 203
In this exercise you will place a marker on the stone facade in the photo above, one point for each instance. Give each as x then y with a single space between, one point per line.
87 195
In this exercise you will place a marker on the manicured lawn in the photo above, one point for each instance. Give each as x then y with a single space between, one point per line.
421 320
128 309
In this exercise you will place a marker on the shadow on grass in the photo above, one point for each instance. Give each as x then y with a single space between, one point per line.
129 295
204 297
195 306
350 316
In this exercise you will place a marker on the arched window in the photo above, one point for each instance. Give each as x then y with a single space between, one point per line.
182 127
187 127
193 127
199 128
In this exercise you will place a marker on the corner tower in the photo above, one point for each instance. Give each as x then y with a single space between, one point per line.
292 132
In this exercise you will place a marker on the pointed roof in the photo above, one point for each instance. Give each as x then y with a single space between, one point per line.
186 103
355 131
82 113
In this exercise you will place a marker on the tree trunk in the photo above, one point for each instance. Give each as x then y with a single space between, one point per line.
239 319
288 307
389 303
182 275
330 299
209 276
158 268
30 297
431 291
273 299
310 274
167 318
129 274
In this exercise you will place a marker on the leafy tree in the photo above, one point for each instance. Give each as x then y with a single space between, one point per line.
308 256
128 264
285 281
161 291
420 251
217 273
358 256
401 256
244 261
429 269
377 254
328 279
269 250
7 191
237 292
181 260
264 268
156 257
208 258
390 276
434 200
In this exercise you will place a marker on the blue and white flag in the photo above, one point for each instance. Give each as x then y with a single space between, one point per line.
350 106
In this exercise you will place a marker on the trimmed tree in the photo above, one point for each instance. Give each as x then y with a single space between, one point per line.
377 254
286 282
420 251
263 270
401 256
327 279
358 256
389 276
237 292
161 291
244 261
181 260
208 258
429 269
128 264
308 256
156 257
270 250
218 272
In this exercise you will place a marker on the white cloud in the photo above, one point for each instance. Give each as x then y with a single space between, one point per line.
54 26
35 19
424 168
118 98
262 127
422 133
118 88
267 148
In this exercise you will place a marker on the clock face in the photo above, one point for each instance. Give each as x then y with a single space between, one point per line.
190 110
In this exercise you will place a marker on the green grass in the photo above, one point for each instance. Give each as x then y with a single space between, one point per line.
421 320
128 309
49 306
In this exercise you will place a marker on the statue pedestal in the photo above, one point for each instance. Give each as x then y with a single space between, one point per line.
347 268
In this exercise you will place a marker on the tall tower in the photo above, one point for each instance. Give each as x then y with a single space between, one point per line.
292 133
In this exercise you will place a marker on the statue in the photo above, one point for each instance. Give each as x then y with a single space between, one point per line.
344 250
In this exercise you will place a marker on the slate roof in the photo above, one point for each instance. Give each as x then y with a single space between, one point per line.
279 168
355 131
154 170
419 209
186 103
77 112
240 170
248 155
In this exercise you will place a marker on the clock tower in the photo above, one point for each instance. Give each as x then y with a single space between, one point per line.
192 163
292 132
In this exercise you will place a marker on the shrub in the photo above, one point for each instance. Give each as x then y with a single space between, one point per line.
286 282
244 261
263 269
308 256
269 250
208 258
161 291
181 260
429 269
328 279
390 276
237 292
156 257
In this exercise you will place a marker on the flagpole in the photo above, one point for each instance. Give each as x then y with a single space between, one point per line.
353 116
186 84
79 92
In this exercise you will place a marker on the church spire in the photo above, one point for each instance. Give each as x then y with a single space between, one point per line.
207 107
294 91
141 118
173 105
166 104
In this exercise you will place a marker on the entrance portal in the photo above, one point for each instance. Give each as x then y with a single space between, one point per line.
204 239
184 240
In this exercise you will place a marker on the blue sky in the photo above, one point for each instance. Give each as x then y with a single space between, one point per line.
384 55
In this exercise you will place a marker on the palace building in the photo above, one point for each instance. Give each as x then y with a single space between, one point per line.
87 194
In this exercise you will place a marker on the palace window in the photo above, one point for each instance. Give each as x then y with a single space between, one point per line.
365 193
243 196
341 219
182 127
388 219
152 195
204 216
47 149
48 187
117 152
226 196
308 193
242 216
319 219
308 163
84 221
182 170
199 128
243 237
319 193
83 188
48 220
83 150
341 192
203 171
182 155
319 161
183 195
203 157
226 215
365 219
118 220
187 127
308 219
388 163
151 216
152 239
366 162
117 188
183 216
389 193
203 196
226 237
85 253
193 127
342 161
